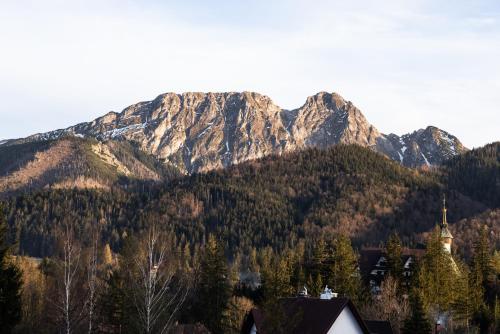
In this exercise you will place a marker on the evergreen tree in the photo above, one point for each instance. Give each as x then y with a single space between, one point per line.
437 276
319 258
315 285
10 284
253 266
214 288
481 279
393 253
277 284
481 263
345 278
469 296
114 305
298 276
417 322
276 279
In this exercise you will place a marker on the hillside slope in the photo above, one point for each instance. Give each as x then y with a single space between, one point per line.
477 174
73 162
274 201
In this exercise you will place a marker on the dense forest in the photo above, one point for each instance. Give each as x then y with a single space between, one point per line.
275 201
154 285
477 174
228 240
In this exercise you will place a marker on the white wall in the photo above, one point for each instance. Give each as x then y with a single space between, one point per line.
346 323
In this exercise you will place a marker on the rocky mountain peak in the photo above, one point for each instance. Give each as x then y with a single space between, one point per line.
426 147
197 131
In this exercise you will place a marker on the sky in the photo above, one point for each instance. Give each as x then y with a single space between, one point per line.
404 64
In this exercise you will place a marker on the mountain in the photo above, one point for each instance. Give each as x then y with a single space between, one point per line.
273 201
425 147
198 132
74 162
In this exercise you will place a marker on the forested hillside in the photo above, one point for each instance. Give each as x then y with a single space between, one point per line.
477 174
275 201
72 162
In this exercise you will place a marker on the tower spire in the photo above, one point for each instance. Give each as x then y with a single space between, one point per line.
444 223
446 237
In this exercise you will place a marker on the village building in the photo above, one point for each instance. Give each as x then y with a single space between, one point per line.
325 315
373 260
374 267
446 237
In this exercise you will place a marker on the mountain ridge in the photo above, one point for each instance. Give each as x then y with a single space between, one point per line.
198 132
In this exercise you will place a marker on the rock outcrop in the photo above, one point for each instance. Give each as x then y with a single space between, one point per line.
197 132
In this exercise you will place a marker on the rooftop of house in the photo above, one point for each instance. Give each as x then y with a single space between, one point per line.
313 316
370 257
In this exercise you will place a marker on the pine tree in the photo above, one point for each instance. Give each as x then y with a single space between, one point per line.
315 285
114 307
469 296
393 253
276 279
10 285
480 279
214 288
277 284
482 264
319 258
417 322
437 276
253 265
345 278
297 279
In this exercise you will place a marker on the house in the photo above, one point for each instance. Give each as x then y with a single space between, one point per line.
303 315
373 264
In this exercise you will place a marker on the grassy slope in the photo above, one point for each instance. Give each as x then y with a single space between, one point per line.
70 162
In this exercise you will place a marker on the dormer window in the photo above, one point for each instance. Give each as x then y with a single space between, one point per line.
408 263
382 262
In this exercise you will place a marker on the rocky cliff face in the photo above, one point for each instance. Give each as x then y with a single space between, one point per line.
425 147
198 132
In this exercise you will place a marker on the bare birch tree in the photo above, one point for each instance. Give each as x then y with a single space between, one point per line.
389 305
70 264
158 294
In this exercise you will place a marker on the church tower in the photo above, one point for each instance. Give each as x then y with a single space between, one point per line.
446 237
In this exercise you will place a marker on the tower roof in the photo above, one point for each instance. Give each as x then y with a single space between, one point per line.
445 232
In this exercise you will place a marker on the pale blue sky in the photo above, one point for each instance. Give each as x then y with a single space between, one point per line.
405 64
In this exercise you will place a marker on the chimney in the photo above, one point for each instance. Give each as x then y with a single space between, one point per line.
328 294
303 292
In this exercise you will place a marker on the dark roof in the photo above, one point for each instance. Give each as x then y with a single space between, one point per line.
379 327
308 315
369 257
